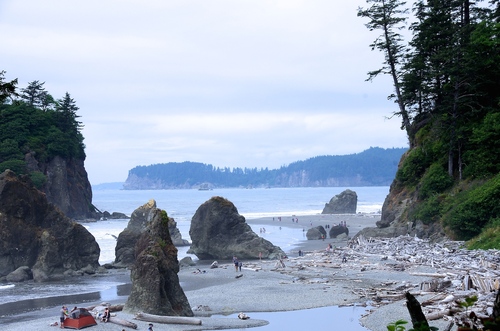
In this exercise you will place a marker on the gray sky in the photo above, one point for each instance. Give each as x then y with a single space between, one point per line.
228 83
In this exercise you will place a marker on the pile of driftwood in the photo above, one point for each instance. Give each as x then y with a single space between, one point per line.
453 274
460 274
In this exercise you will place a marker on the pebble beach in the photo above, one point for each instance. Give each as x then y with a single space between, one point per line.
303 282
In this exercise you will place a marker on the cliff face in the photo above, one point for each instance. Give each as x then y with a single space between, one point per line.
36 235
67 186
395 220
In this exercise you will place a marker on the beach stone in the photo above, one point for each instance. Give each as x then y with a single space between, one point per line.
21 274
337 230
344 203
316 233
139 220
187 262
219 232
36 234
155 283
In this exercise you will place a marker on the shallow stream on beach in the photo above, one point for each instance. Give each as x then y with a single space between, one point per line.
325 318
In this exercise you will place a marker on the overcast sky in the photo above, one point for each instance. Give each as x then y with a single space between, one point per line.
229 83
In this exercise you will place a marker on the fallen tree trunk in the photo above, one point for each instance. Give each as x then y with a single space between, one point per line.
122 322
168 319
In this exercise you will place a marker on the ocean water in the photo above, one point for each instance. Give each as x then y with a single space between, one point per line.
24 298
251 203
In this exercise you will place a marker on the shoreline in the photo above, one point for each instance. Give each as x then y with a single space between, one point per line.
317 279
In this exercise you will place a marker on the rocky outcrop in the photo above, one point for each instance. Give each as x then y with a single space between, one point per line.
155 283
394 222
139 220
316 233
219 232
338 230
344 203
114 216
35 234
67 185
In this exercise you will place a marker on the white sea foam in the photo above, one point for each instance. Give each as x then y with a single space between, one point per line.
4 287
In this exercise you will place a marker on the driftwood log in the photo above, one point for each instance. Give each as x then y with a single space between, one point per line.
122 322
168 319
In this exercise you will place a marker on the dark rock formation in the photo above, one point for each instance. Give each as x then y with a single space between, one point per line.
35 234
343 203
155 283
394 222
21 274
140 218
67 185
186 261
114 216
337 230
218 231
316 233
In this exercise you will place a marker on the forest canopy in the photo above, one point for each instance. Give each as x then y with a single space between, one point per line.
33 122
446 85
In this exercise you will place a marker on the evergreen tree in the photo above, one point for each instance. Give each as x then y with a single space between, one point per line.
389 16
7 89
34 94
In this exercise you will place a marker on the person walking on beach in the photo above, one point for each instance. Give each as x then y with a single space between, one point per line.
236 263
150 328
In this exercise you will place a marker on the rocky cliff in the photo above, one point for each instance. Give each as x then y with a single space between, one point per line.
218 231
394 220
67 185
36 236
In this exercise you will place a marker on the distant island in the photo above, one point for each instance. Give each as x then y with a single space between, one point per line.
372 167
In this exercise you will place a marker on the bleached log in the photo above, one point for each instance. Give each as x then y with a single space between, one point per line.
427 274
167 319
122 322
438 315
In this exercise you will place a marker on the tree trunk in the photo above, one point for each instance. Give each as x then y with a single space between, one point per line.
417 316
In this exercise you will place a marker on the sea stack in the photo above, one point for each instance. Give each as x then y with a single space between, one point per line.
155 283
219 232
344 203
125 245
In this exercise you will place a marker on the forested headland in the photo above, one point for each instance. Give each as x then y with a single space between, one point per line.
446 89
41 142
33 122
373 167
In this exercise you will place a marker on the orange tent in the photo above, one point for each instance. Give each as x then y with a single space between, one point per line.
84 320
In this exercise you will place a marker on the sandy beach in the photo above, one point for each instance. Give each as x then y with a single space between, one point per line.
317 279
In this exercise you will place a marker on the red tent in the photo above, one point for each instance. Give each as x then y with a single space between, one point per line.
83 320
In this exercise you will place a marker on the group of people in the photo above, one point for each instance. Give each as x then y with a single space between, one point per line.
75 313
65 313
237 264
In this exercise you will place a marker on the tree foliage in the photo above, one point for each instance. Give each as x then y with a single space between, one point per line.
33 122
448 76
